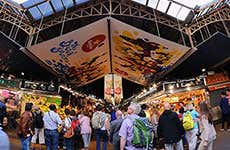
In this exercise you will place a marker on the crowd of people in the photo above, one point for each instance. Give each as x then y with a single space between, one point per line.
130 130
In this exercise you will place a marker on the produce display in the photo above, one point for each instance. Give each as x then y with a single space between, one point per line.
43 102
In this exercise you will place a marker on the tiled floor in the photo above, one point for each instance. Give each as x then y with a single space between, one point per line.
222 142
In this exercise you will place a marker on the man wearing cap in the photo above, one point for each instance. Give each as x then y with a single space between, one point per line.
126 130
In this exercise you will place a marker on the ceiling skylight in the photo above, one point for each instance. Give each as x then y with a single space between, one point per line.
163 5
175 8
141 1
19 1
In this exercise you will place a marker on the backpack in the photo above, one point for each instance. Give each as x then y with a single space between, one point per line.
143 133
188 122
38 120
98 120
76 127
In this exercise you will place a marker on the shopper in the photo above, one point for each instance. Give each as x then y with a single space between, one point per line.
170 129
126 132
154 120
68 131
38 128
85 129
191 135
114 130
25 128
3 119
208 133
51 122
99 122
225 109
77 139
4 142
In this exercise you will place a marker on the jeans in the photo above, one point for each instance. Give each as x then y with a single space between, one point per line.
86 139
226 118
25 143
191 137
68 143
51 139
101 134
174 146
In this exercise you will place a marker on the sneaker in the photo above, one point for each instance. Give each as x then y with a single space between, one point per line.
221 129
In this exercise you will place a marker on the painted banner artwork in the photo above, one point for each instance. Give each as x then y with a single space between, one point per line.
113 92
82 55
118 91
108 88
137 55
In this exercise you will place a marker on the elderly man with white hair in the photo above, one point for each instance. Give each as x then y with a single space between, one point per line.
126 130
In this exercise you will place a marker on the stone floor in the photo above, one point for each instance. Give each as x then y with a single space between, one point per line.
222 142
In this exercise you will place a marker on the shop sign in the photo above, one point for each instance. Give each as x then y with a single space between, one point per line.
217 78
221 86
9 83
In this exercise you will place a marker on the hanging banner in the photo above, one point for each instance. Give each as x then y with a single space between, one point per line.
82 55
113 92
108 88
138 55
118 91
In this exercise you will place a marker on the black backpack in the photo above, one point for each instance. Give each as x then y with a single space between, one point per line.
38 120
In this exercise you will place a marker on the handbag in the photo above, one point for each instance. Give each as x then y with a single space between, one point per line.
60 127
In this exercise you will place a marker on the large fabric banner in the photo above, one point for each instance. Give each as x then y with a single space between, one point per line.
138 55
113 92
118 90
82 55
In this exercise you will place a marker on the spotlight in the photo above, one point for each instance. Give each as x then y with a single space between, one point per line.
22 73
203 70
171 87
43 87
51 87
34 86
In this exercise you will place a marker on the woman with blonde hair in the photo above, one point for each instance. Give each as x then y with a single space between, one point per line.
208 132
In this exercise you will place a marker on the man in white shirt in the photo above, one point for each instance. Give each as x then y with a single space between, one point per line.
51 121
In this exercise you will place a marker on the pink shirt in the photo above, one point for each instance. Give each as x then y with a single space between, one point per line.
85 125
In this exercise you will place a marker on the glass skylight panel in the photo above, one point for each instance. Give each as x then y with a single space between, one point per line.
183 13
35 13
57 5
30 3
189 3
46 9
152 3
81 1
19 1
68 3
163 5
174 9
143 2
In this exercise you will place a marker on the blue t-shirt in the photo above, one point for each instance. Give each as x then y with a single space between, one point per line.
195 115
